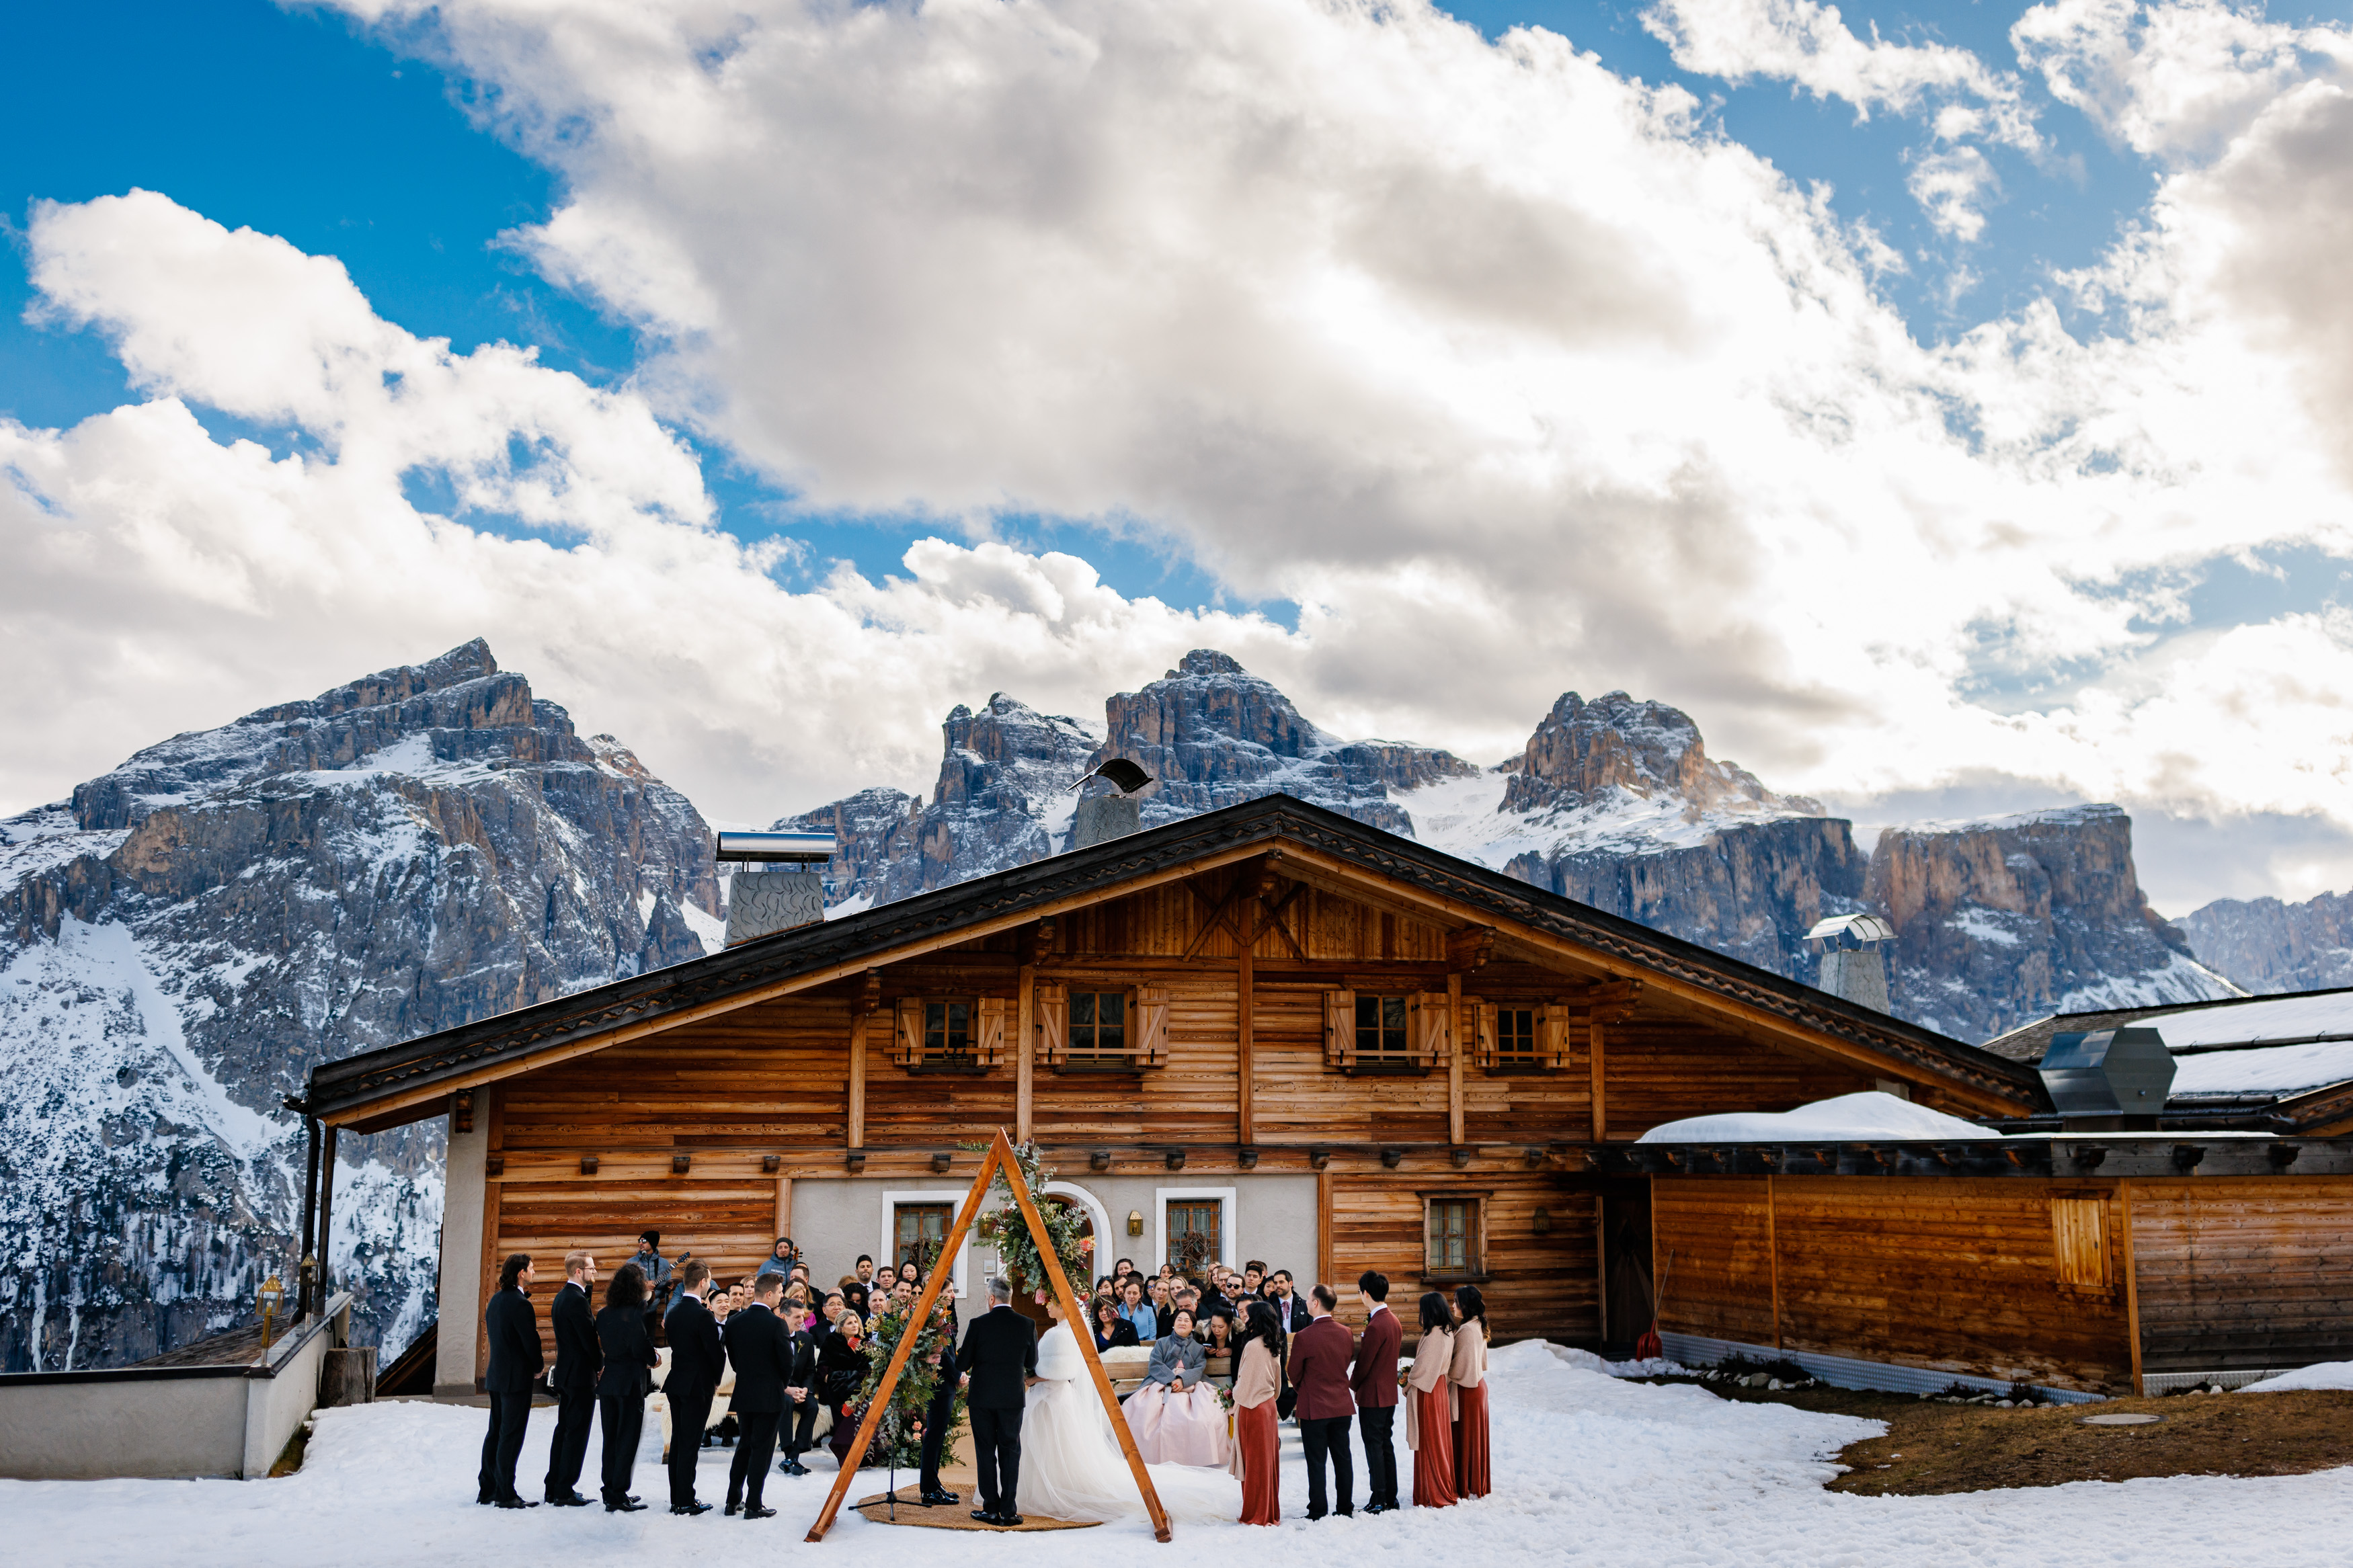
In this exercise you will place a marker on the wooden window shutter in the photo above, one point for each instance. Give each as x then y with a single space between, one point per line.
989 1031
1483 1042
1553 1021
2079 1241
1150 1007
1050 1013
907 1045
1340 1029
1429 1032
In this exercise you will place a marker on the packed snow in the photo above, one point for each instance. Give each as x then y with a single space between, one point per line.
2271 1020
1587 1469
1868 1116
2273 1070
2328 1376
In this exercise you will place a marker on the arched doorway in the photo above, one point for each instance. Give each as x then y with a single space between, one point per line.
1091 1227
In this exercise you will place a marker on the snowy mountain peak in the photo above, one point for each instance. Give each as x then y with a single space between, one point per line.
1583 750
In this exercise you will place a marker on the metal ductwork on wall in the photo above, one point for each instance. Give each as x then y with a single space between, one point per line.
779 881
2108 1080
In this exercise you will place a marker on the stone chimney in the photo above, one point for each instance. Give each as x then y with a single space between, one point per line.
1852 966
779 881
1103 818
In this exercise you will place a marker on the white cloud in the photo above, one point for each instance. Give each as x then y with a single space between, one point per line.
2172 81
1512 373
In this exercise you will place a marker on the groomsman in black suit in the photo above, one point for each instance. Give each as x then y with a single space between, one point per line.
697 1359
999 1356
578 1359
516 1365
760 1347
938 1417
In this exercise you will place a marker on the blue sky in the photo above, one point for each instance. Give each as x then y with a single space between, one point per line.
299 123
1574 431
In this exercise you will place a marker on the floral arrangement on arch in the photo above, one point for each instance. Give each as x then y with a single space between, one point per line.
1004 1230
899 1436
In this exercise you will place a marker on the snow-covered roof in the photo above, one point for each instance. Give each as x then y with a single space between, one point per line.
2268 1020
1869 1117
2265 1069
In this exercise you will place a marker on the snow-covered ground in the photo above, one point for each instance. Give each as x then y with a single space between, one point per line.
1589 1469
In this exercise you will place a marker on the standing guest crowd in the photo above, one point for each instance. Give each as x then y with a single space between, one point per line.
781 1355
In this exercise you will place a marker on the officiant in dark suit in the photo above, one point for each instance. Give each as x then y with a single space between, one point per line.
760 1348
516 1363
999 1357
696 1361
578 1359
940 1416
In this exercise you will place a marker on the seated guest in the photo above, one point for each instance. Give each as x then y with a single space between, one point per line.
1430 1406
829 1310
1122 1269
649 1260
1174 1416
1163 1309
1220 1350
1136 1311
1112 1330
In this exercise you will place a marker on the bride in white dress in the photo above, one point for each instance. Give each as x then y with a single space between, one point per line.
1071 1466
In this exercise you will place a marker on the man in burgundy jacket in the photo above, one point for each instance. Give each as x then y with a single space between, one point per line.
1319 1371
1374 1381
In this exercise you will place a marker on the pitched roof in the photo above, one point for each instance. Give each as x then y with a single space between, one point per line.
344 1091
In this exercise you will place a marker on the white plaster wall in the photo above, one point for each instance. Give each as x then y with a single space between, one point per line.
84 1431
275 1406
461 1254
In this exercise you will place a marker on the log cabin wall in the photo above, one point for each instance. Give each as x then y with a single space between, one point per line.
1957 1275
2239 1274
774 1082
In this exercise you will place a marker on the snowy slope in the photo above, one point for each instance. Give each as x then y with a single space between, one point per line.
187 936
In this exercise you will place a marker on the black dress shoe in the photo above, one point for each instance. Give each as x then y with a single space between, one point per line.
796 1468
731 1510
515 1502
485 1499
690 1508
1009 1519
759 1513
939 1498
985 1515
567 1499
626 1505
1371 1507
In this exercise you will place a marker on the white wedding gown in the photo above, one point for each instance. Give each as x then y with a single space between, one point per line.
1071 1466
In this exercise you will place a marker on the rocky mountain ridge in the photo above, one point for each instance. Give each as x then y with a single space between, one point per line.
2269 947
188 933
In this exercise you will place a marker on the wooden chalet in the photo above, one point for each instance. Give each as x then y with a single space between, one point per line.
1268 1032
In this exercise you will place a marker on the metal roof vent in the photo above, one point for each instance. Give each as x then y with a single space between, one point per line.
1851 964
2108 1080
779 881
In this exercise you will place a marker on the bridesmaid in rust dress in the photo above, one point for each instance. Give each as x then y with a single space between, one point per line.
1430 1406
1257 1446
1468 1377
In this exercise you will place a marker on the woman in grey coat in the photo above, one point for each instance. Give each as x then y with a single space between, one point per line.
1176 1417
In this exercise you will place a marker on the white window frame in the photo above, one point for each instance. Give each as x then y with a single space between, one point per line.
1228 1244
953 1197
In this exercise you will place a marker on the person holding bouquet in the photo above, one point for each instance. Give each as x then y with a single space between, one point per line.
1430 1406
1468 1379
1257 1446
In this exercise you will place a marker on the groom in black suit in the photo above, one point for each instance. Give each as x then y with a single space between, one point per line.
999 1357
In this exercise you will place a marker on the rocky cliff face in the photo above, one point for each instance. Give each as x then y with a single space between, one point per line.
188 934
2268 947
2003 921
1216 736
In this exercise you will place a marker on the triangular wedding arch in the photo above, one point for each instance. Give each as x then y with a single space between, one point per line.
999 1157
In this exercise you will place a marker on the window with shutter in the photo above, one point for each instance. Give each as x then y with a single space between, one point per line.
1340 1030
2079 1241
1050 1017
1429 1030
1453 1240
949 1034
989 1031
1151 1043
1383 1035
1519 1037
1555 1024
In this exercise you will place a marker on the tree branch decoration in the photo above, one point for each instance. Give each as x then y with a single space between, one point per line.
1002 1229
900 1436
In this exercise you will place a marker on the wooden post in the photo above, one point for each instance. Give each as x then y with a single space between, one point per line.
855 1136
1600 1099
783 1206
2132 1288
999 1156
1323 1253
1025 1052
1453 1057
326 1217
1245 1046
312 1300
1773 1253
491 1106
